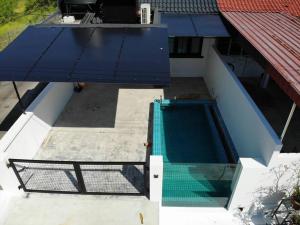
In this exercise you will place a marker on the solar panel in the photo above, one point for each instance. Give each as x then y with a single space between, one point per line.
95 54
179 25
148 43
194 25
209 26
22 54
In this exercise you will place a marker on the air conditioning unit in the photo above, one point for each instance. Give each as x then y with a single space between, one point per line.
145 13
68 20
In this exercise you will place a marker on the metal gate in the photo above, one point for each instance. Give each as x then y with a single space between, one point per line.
80 177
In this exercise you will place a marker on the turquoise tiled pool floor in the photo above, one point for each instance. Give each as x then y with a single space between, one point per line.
196 171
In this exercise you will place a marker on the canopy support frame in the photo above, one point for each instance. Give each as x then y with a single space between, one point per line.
288 121
19 98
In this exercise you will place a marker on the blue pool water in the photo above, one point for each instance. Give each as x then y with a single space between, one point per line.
196 151
188 136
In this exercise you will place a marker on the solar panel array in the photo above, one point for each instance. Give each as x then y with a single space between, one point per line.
94 54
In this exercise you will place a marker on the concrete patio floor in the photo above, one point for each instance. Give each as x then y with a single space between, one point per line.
37 209
111 122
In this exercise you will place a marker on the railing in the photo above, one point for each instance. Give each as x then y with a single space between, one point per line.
80 177
198 184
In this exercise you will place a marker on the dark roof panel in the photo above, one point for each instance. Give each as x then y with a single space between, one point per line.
194 25
98 54
179 25
184 6
209 26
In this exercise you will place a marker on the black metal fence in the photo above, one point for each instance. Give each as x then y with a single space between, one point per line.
80 177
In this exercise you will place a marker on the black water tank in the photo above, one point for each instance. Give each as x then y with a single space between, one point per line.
62 3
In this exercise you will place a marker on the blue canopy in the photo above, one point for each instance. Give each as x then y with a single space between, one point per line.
181 25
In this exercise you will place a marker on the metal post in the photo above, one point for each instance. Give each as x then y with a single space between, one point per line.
288 121
19 98
79 177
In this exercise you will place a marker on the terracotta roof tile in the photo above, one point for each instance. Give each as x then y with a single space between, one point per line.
288 6
276 37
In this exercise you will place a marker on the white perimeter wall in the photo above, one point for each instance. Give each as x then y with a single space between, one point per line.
25 137
263 172
250 131
192 67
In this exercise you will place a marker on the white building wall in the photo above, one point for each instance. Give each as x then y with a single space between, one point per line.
261 187
250 131
25 137
192 67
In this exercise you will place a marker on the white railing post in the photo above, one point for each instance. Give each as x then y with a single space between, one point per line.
156 177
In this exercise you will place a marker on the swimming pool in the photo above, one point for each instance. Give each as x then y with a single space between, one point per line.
198 153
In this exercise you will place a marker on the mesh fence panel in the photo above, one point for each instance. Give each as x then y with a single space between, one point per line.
79 177
48 177
113 178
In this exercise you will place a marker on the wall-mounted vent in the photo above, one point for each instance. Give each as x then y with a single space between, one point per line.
145 13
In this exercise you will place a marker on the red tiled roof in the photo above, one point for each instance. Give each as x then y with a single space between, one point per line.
288 6
276 37
274 33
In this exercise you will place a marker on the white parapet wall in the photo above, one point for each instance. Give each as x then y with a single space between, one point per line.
250 131
27 134
264 174
156 177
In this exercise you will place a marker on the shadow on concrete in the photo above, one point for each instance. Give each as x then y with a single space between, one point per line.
95 106
17 110
187 88
134 176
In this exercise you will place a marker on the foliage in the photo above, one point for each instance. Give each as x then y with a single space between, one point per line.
6 10
296 189
15 15
33 4
296 219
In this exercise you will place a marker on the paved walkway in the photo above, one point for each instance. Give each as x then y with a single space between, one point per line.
196 215
37 209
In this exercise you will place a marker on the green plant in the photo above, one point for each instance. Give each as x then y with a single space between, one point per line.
7 10
296 192
295 219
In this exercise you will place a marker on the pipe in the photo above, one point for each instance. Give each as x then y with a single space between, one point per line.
288 121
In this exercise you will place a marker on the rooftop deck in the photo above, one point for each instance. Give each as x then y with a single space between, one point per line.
111 122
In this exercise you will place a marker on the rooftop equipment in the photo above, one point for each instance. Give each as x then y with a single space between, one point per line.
96 11
145 13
